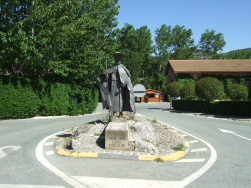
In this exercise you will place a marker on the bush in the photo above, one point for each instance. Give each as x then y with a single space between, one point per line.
174 89
209 89
242 108
188 92
22 98
237 92
17 98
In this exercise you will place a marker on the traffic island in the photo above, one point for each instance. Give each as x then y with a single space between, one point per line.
147 140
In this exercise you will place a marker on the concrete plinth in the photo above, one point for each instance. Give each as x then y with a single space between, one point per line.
116 136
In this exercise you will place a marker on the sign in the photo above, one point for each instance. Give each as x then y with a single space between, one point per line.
139 90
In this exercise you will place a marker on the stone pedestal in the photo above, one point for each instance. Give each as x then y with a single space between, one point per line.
116 136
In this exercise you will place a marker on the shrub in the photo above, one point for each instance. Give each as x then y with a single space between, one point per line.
174 88
22 98
209 89
237 92
242 108
17 98
188 92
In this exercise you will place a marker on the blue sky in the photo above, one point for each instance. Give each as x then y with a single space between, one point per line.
230 17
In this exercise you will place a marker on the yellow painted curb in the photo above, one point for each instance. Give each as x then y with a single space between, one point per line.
59 139
73 154
175 156
180 136
186 144
59 147
63 152
83 154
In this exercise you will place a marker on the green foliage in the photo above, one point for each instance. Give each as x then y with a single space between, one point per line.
17 98
22 98
60 41
159 160
211 43
179 147
188 92
242 108
137 44
209 89
237 92
174 43
185 79
239 54
174 88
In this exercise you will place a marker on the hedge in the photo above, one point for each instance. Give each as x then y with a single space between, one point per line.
17 98
22 98
242 108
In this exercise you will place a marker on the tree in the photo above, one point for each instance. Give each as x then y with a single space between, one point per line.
239 54
57 40
182 43
211 43
163 40
137 44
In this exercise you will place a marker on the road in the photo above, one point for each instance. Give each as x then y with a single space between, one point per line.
20 166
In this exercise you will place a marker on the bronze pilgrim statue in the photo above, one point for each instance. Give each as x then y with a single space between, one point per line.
116 88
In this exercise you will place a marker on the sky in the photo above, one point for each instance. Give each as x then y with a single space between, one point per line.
232 18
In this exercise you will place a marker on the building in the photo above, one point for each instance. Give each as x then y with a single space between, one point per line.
152 96
196 68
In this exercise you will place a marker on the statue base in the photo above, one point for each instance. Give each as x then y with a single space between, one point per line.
116 136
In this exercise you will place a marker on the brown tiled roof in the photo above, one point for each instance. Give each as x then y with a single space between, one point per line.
179 66
152 91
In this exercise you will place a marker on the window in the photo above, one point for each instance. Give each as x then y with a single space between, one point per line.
150 95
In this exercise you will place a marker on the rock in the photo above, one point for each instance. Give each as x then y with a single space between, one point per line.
145 137
139 145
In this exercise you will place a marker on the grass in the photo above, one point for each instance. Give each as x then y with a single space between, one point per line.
159 160
179 147
154 120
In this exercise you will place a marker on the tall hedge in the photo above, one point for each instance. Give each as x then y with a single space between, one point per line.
242 108
17 98
22 98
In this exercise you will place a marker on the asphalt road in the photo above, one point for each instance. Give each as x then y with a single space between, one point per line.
231 169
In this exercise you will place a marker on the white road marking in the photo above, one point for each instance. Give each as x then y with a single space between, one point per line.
232 132
14 148
193 141
48 143
130 183
49 152
198 150
184 135
203 169
190 160
98 182
42 159
29 186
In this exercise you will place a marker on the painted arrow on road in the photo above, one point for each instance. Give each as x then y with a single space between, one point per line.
3 154
232 132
